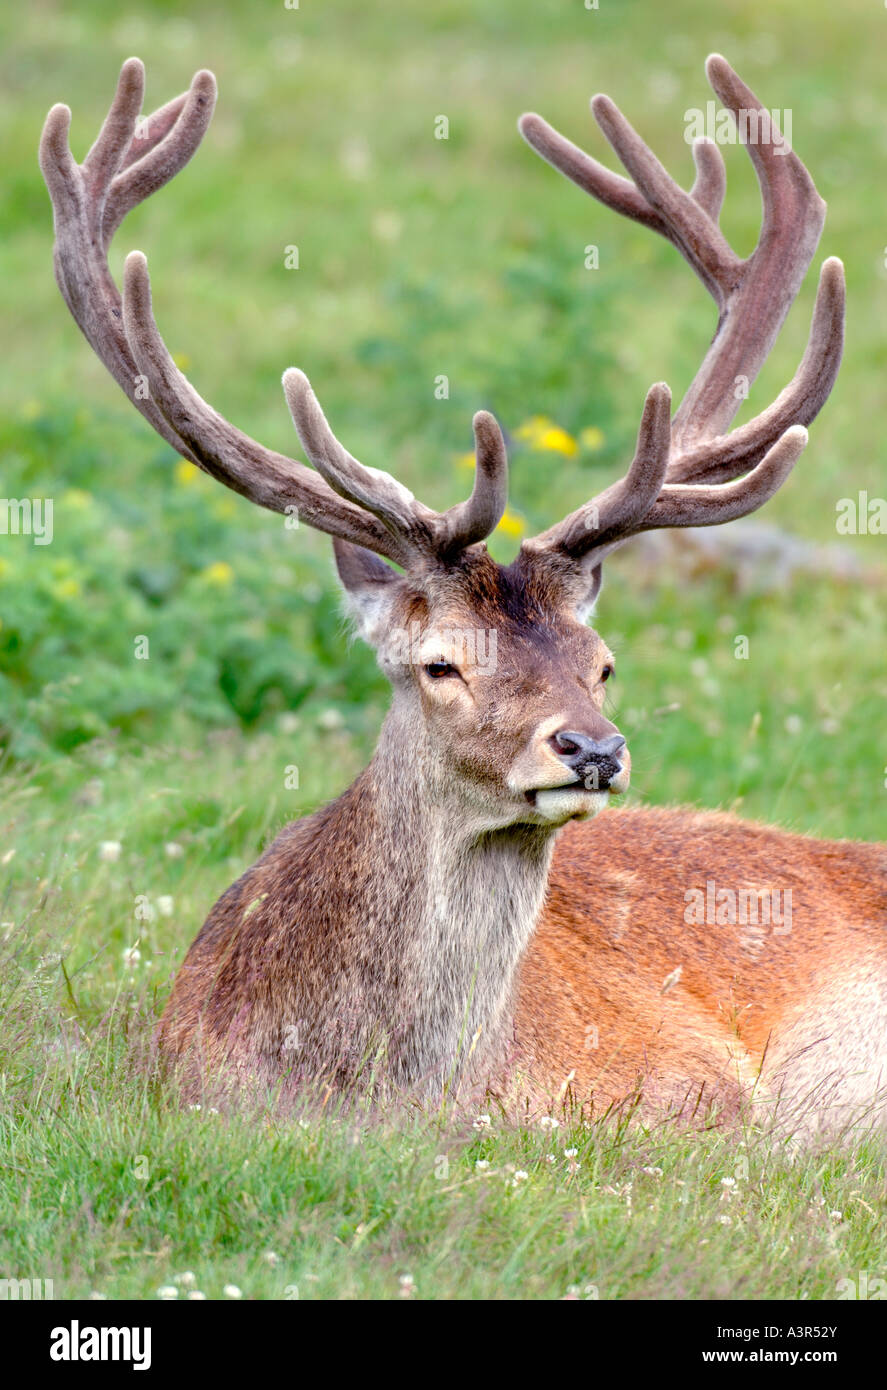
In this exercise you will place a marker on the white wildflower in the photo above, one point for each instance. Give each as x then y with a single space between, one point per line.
329 720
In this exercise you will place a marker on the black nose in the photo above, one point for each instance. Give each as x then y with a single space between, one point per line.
596 760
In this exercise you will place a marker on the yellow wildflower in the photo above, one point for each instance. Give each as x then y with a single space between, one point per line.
219 573
182 360
186 473
66 588
541 432
465 460
557 441
511 524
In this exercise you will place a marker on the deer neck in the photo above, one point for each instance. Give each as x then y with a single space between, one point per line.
457 904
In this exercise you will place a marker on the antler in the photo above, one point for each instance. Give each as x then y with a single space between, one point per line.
127 163
689 472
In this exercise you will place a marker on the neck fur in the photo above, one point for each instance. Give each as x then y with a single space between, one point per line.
454 904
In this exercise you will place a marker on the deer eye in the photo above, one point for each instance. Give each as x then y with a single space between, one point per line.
606 673
436 669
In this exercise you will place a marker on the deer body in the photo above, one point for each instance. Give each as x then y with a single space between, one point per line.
456 919
604 987
791 1011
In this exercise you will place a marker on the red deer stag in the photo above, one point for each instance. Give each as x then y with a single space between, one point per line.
454 918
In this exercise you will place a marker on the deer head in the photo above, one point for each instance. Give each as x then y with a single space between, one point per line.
498 681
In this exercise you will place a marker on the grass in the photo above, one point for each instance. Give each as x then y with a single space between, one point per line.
111 1190
417 258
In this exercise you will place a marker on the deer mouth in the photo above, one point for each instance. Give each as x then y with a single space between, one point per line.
569 801
611 785
576 788
531 795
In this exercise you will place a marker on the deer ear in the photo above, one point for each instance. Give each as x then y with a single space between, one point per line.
592 579
370 587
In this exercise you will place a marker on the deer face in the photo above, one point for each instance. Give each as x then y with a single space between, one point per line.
498 682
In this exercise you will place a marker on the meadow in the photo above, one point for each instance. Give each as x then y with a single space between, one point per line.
134 789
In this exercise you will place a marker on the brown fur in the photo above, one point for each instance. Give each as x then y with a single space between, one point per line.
363 931
614 931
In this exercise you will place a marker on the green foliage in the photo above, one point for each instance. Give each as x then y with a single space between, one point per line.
126 621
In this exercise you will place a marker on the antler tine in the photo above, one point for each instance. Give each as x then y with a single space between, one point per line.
799 403
438 534
118 128
688 505
161 146
371 488
154 128
126 164
684 221
753 297
623 504
471 521
589 174
710 185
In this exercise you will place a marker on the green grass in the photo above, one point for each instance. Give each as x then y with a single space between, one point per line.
114 1195
417 258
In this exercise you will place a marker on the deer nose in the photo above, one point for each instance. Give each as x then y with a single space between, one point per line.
595 760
